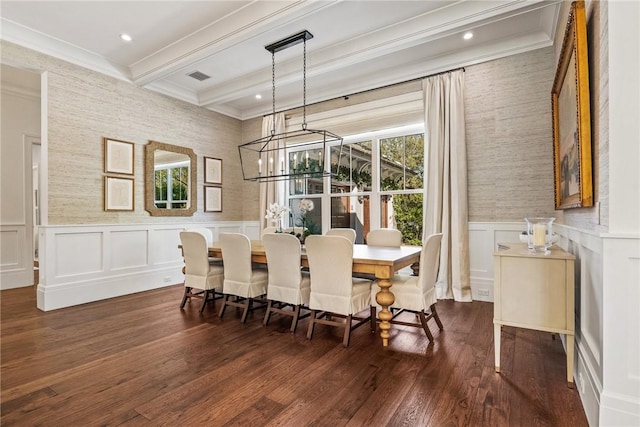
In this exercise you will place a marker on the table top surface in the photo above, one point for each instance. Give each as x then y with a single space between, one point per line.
381 255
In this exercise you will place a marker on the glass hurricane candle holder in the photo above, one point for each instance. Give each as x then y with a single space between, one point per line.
539 234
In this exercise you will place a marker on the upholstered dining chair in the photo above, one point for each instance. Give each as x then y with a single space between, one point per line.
268 230
334 292
416 294
349 233
199 273
240 279
288 285
385 237
208 235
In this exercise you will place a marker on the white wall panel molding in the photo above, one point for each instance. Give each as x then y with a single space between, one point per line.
620 400
13 263
85 263
483 240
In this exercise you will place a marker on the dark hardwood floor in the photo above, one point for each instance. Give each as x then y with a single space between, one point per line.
140 360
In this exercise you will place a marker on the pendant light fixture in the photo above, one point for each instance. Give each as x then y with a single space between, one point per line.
266 159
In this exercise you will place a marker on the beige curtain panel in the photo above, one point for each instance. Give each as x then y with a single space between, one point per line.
271 191
445 209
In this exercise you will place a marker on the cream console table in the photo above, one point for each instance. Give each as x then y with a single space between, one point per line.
534 291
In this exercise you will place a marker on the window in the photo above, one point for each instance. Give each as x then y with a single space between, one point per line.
401 173
172 186
377 181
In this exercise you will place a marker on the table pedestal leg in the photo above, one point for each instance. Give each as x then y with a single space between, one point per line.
385 298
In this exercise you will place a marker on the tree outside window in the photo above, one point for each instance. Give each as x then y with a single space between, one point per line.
382 176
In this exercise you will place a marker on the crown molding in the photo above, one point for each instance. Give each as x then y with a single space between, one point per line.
51 46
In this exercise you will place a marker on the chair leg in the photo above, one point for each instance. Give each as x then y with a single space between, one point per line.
267 315
312 322
206 299
245 313
373 319
296 316
436 317
224 305
187 291
423 320
347 331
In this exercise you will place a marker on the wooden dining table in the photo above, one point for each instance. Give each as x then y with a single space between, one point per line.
381 262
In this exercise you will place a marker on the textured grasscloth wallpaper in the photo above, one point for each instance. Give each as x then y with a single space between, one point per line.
509 139
84 106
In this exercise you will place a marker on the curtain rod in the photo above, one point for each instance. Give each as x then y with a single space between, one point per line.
370 90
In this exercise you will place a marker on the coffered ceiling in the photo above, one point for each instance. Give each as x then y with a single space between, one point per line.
357 45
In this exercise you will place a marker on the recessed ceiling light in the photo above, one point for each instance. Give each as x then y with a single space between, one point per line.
126 37
258 96
468 35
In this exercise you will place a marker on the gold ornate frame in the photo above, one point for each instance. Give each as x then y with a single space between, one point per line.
571 117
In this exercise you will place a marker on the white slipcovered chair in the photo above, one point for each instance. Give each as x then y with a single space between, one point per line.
349 233
385 237
199 273
288 285
268 230
416 294
240 279
208 235
334 291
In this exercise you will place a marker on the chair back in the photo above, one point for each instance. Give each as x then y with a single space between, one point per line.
385 237
349 233
430 262
236 252
330 266
268 230
208 235
195 253
283 260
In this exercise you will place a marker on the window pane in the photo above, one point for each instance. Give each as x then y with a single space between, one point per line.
161 185
414 161
354 169
402 162
391 163
179 179
403 212
351 212
310 219
299 162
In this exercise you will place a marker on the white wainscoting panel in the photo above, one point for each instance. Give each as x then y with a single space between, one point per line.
620 399
483 240
85 263
128 249
164 245
16 268
9 248
588 371
78 253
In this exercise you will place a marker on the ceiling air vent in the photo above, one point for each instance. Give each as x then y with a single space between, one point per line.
199 76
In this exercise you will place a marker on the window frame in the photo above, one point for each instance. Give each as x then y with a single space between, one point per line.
375 193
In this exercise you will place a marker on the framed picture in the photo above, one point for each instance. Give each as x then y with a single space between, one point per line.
118 194
118 156
212 199
212 171
571 117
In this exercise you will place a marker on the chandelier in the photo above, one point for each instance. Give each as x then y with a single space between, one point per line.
295 154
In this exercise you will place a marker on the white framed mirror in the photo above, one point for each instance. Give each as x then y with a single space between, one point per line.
170 180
